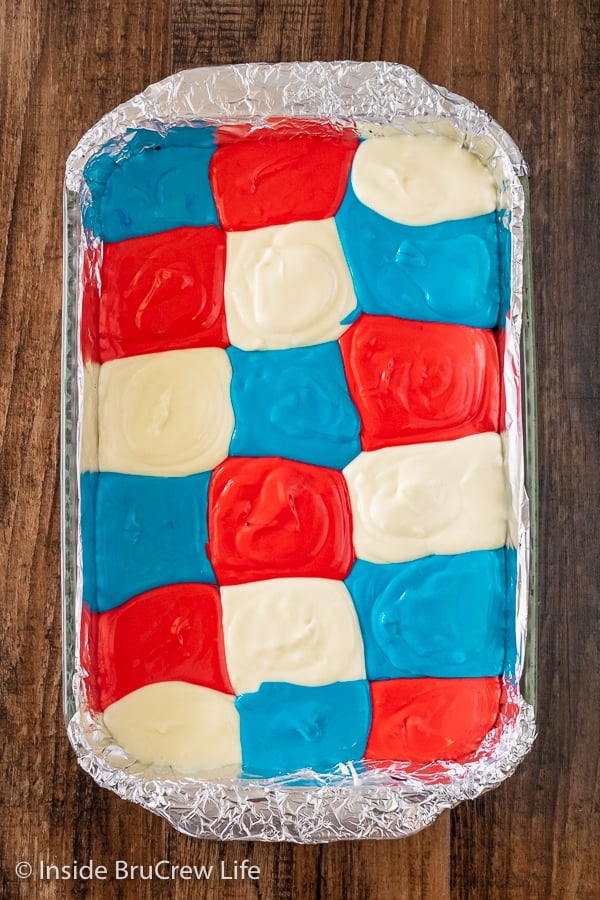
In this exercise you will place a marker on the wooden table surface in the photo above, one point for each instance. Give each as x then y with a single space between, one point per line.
534 66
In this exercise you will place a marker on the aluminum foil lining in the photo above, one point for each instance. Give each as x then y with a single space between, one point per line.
385 804
355 801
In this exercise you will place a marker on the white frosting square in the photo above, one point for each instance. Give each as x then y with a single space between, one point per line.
417 500
165 413
422 180
173 723
287 286
299 630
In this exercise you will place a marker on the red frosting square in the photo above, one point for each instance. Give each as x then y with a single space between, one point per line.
163 292
171 633
414 382
427 719
90 286
273 176
277 518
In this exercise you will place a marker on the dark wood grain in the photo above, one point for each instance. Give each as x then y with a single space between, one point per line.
535 67
551 808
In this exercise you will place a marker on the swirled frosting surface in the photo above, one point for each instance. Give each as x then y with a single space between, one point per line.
421 180
287 727
163 292
292 482
287 286
413 501
173 723
447 272
426 719
141 532
156 181
416 381
172 633
273 178
440 616
273 518
298 630
295 404
165 413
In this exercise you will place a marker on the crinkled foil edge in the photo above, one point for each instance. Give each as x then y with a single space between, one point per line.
384 803
381 801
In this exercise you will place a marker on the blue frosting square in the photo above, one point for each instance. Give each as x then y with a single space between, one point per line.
141 532
287 727
440 616
447 272
151 182
295 404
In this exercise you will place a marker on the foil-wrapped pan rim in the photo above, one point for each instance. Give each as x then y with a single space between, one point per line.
341 90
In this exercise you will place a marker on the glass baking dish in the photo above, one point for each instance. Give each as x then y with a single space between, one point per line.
389 802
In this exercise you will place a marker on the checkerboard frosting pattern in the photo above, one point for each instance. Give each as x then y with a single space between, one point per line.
293 507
